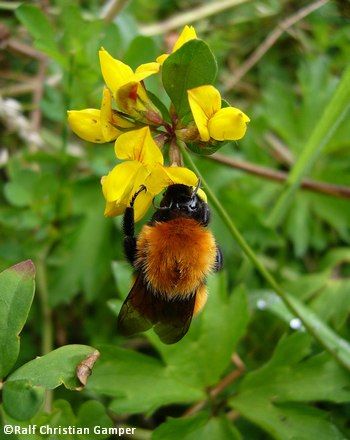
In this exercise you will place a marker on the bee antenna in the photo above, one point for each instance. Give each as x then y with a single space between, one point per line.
197 187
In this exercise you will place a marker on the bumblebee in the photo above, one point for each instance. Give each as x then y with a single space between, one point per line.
172 256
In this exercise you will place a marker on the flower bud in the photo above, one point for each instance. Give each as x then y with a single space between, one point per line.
188 134
133 100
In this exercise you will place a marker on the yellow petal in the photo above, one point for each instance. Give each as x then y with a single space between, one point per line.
181 175
138 145
144 199
112 209
157 180
229 123
121 122
145 70
108 131
204 101
184 176
188 33
142 204
127 98
162 58
119 182
202 195
86 124
161 177
114 72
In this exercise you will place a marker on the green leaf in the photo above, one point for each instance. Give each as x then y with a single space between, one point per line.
58 367
127 375
272 396
205 148
92 413
122 273
40 29
200 426
36 22
85 254
141 50
21 399
16 296
336 345
193 65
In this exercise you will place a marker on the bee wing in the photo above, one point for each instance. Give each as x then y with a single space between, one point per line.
136 314
174 318
142 309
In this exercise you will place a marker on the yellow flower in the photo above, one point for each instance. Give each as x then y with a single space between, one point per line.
143 166
228 123
188 33
94 125
126 87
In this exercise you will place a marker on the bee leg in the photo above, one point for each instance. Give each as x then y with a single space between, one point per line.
142 188
129 229
219 260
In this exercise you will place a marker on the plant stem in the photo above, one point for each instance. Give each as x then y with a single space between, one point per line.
188 17
47 326
336 346
112 9
330 189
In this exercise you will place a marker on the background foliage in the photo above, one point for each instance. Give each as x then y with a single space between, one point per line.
247 368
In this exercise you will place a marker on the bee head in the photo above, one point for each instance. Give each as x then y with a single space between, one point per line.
182 201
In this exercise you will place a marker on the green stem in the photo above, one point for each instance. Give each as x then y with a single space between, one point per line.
46 312
337 347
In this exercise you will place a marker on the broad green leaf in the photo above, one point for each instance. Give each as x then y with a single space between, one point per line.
127 375
289 421
204 148
272 396
192 65
333 302
335 344
22 400
223 322
122 273
141 50
28 434
36 22
92 413
40 29
16 296
201 426
57 368
85 254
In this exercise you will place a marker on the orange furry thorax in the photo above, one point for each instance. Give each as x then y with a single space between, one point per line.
175 256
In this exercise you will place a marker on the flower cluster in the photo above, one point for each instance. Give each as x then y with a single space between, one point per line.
129 116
